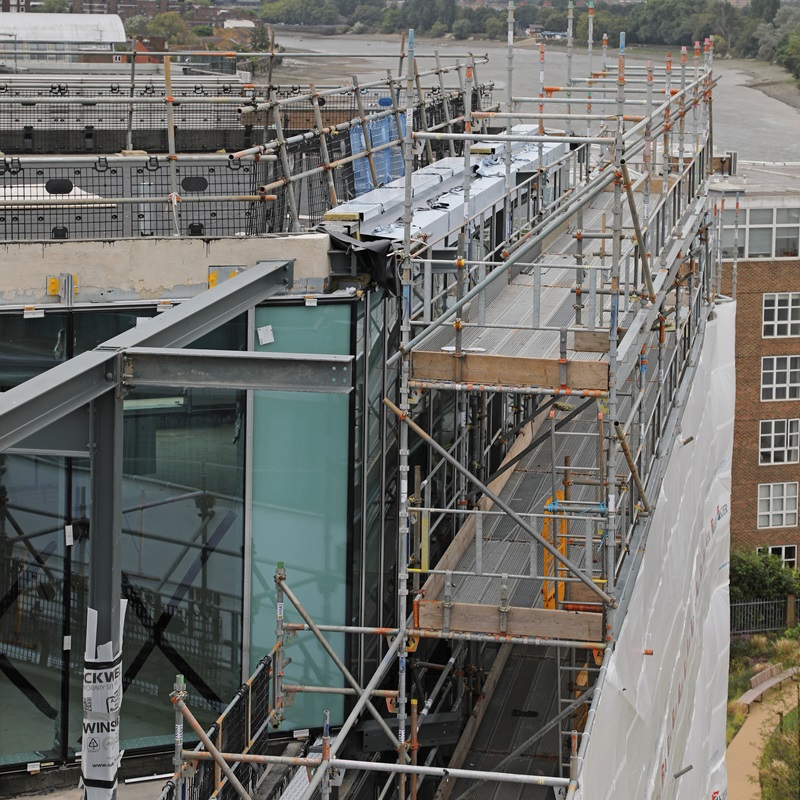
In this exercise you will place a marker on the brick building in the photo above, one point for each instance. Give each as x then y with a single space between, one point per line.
15 6
764 236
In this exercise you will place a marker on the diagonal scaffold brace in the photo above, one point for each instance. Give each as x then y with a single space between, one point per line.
563 560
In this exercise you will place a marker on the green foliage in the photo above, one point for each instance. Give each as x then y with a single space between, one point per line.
526 14
54 7
736 717
748 655
611 20
495 28
420 14
779 772
553 19
169 25
789 53
137 26
392 20
438 29
369 16
764 10
462 29
259 38
203 30
793 634
758 576
298 12
663 22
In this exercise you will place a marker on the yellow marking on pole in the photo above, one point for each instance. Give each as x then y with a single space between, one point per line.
554 531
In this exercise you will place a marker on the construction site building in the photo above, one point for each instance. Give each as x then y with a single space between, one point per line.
384 429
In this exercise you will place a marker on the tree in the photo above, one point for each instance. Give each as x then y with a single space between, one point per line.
169 25
419 14
759 576
392 20
789 53
495 28
259 38
772 36
607 19
137 26
462 28
54 7
764 9
525 15
203 30
369 16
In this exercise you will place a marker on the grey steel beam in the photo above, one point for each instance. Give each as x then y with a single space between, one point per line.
35 404
102 684
67 437
187 322
39 401
237 370
106 455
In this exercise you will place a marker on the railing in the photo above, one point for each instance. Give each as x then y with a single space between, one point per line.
241 728
759 616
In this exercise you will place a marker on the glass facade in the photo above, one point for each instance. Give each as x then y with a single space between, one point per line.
182 550
301 478
318 493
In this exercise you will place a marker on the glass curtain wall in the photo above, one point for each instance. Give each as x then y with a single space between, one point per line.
182 558
302 482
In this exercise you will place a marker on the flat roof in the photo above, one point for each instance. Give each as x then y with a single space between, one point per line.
761 179
75 28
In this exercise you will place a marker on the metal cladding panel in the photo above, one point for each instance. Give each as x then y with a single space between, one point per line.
433 222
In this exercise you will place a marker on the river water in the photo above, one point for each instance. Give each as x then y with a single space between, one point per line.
746 120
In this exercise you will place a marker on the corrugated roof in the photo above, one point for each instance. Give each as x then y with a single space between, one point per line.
75 28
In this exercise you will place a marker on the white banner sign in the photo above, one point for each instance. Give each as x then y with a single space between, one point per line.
102 699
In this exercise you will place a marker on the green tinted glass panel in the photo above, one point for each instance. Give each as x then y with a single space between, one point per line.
301 484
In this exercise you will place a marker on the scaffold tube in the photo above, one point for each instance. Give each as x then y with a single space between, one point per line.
580 759
377 766
363 696
555 552
209 745
578 201
623 440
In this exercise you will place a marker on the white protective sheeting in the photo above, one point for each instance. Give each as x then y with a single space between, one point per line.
659 714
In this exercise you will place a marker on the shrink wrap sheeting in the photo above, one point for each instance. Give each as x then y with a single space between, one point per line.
660 714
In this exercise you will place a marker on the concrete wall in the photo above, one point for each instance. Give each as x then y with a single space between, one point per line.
150 269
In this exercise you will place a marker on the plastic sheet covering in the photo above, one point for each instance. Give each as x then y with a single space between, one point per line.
664 714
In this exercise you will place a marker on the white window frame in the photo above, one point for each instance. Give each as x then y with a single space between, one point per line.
786 552
785 303
777 505
777 378
779 441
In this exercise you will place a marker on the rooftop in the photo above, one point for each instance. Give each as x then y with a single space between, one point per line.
76 28
760 179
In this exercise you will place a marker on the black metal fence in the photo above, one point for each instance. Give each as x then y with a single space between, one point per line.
763 616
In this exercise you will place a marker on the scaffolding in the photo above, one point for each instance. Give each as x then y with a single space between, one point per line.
548 338
556 263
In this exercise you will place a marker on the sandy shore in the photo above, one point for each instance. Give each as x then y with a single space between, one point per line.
773 80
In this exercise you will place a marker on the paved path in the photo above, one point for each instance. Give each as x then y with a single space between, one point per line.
744 751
